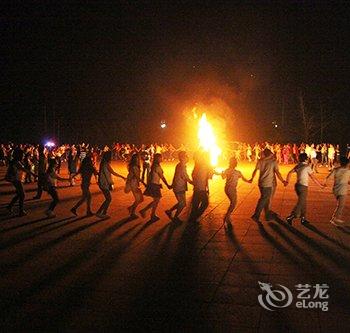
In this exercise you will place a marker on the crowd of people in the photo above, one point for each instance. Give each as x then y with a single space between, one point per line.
42 164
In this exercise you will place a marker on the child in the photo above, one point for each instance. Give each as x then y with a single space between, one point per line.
153 187
340 188
231 175
50 186
303 171
179 186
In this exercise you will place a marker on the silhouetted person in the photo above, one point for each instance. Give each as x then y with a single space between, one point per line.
86 170
51 178
133 183
201 173
232 176
106 183
42 166
154 186
72 162
14 176
179 186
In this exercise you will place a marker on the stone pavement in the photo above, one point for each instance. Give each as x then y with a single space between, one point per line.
85 274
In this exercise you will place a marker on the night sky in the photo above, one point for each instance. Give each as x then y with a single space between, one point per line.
113 72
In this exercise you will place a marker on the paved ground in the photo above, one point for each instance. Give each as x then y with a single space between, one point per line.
85 274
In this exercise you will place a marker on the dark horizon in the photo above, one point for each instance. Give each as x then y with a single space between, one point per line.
114 73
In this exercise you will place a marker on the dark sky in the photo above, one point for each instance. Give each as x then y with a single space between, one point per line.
115 71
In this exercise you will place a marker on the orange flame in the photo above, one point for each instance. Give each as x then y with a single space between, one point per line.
207 140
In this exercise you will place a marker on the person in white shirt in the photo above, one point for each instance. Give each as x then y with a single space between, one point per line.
341 176
268 171
303 171
179 186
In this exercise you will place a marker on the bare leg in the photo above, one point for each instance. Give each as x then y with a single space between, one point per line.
154 206
138 199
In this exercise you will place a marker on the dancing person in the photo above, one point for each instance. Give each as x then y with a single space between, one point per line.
154 186
14 176
133 183
285 153
303 171
324 155
201 174
106 183
50 186
232 176
146 164
313 158
268 170
2 155
58 157
295 153
179 186
42 165
341 176
331 155
249 153
256 152
86 170
72 161
27 163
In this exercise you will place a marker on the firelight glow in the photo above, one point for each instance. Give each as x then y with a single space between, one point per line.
207 140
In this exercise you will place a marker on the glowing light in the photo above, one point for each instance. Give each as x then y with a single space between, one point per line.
50 144
207 140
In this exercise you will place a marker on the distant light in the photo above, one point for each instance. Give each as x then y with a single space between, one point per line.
50 144
276 125
163 125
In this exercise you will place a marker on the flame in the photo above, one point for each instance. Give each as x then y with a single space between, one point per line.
207 140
